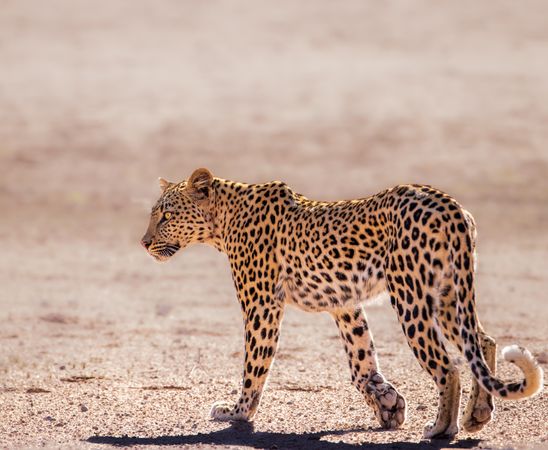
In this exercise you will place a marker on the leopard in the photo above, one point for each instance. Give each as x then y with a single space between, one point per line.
413 242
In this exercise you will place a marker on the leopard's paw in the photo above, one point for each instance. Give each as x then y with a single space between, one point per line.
390 407
476 419
440 430
225 411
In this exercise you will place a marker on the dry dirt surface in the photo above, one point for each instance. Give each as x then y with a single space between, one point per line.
100 346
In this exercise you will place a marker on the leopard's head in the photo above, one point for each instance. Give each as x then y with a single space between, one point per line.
181 216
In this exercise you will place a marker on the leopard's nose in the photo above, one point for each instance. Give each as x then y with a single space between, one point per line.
146 242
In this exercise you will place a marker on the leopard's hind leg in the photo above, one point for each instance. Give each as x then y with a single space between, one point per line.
480 406
415 299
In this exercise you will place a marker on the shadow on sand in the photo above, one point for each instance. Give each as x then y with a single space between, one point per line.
243 435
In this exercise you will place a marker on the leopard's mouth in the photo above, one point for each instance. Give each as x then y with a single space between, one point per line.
164 252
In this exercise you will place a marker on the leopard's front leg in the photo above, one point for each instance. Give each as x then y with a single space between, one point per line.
262 329
387 403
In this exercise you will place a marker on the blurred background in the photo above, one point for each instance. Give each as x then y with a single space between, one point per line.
338 99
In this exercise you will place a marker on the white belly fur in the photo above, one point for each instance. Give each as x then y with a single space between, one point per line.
366 290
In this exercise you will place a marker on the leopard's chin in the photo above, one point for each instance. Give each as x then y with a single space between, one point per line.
159 258
165 253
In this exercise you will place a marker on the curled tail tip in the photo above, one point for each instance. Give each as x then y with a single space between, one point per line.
514 353
534 375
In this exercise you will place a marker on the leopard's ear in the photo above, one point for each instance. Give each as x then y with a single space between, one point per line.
199 184
164 184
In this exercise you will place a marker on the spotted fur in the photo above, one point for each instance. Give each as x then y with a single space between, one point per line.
414 242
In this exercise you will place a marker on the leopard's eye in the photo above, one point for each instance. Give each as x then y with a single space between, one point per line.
167 215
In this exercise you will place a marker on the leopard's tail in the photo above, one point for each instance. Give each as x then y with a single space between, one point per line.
463 261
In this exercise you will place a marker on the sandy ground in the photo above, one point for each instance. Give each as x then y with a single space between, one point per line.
102 347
